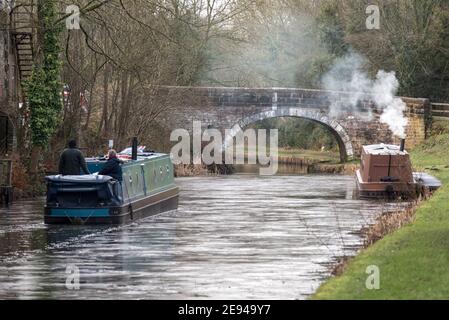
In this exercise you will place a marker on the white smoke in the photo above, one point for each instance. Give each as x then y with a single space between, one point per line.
385 89
348 75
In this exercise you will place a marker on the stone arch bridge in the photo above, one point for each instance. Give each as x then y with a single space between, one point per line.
223 107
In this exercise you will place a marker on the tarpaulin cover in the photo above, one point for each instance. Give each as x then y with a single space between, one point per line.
83 191
89 178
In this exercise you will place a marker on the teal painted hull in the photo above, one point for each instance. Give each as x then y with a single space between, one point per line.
80 213
148 188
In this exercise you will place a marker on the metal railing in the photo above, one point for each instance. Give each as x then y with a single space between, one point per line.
440 110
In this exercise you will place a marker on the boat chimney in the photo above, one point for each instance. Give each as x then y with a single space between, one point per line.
134 149
402 145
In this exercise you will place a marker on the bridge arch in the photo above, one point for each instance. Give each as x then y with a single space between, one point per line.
337 130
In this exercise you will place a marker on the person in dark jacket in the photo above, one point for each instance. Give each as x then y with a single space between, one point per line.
72 162
112 167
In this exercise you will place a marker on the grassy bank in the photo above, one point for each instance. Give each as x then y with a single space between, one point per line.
413 261
311 155
327 156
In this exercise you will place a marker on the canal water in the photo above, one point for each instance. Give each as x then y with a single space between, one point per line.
233 237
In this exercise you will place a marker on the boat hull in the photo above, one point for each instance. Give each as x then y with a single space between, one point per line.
385 190
151 205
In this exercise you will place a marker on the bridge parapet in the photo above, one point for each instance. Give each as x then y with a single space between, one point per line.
283 97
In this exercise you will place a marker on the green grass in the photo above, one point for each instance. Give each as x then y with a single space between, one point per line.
318 156
413 261
313 155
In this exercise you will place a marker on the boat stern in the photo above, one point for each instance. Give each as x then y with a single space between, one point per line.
81 216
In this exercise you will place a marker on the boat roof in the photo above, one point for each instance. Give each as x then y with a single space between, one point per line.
384 149
88 178
126 158
148 155
427 180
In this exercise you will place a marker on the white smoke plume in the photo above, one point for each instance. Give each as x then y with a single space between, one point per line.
348 75
385 88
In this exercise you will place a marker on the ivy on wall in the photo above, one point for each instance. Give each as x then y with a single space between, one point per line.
43 88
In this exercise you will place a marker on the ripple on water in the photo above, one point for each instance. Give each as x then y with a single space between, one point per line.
243 237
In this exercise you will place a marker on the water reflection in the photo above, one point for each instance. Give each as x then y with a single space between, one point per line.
240 236
283 169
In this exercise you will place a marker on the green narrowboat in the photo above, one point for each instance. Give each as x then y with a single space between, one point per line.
148 188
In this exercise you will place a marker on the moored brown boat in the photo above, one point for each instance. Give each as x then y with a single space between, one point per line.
386 172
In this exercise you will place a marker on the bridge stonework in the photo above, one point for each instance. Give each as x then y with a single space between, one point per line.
222 108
